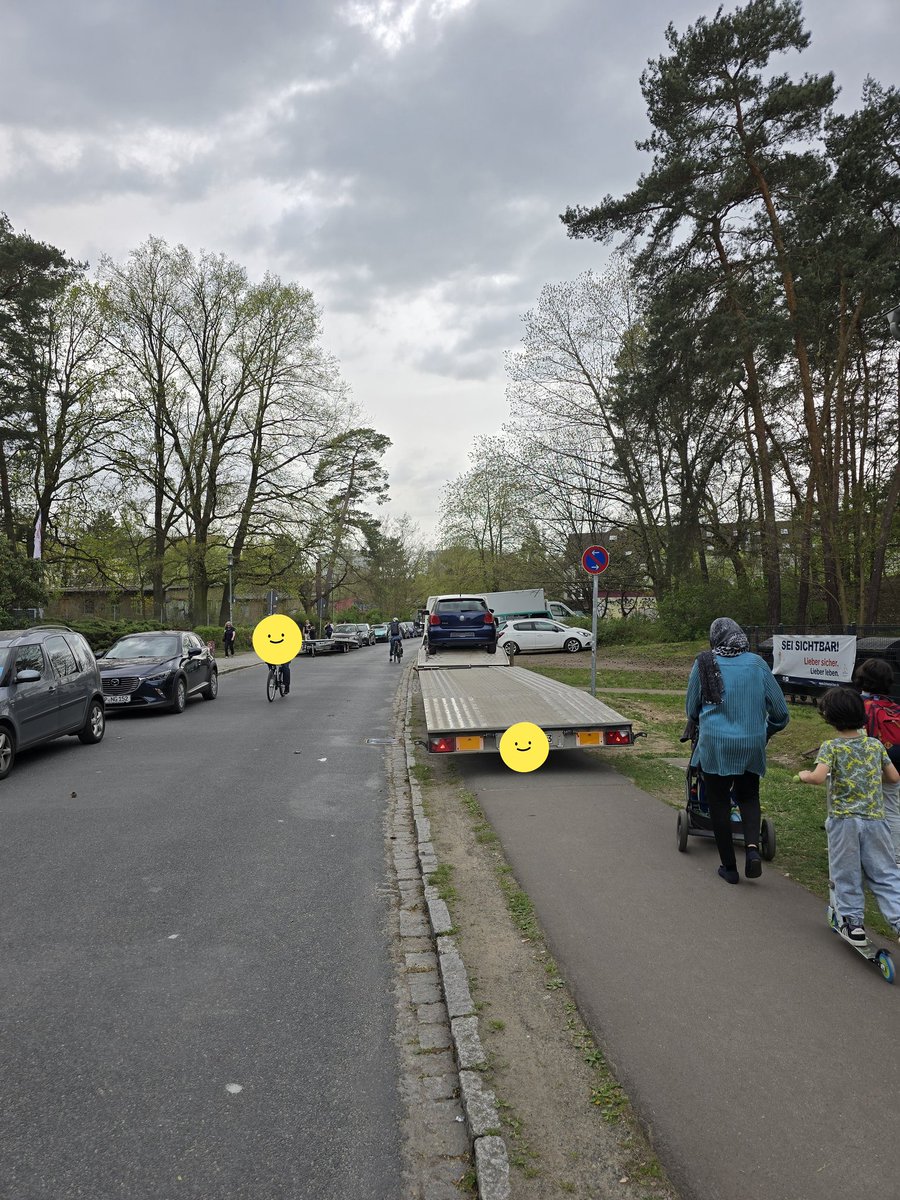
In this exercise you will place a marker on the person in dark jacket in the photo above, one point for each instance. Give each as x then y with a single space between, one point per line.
395 639
228 638
734 698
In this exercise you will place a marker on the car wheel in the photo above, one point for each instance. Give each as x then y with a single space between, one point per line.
7 750
212 688
572 645
511 647
180 696
95 726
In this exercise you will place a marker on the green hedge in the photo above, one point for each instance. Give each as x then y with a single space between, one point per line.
102 633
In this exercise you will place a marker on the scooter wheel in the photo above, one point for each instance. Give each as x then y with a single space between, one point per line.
886 965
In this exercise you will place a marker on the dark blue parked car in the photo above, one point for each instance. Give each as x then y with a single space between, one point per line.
461 621
158 670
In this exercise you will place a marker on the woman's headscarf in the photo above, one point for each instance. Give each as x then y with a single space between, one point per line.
726 639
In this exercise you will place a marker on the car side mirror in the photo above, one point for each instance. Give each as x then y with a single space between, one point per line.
194 651
29 675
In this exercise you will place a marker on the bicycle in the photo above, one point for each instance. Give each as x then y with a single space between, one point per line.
396 653
275 682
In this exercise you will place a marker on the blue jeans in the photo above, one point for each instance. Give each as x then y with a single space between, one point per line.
862 851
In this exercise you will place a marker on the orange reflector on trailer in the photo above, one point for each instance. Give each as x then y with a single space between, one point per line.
617 737
589 737
469 743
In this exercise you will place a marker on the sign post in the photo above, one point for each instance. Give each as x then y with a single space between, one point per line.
594 560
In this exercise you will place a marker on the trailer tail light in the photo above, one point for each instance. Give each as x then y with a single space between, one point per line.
434 619
589 737
617 737
442 745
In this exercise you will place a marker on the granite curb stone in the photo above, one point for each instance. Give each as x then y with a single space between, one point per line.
479 1105
469 1050
478 1101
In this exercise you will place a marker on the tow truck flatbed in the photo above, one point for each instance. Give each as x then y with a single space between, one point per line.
471 698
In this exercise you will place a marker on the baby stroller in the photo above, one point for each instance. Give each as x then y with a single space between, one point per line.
694 819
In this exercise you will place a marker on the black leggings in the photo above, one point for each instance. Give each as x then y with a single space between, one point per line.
718 796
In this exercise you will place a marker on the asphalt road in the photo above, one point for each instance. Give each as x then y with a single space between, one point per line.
760 1050
197 996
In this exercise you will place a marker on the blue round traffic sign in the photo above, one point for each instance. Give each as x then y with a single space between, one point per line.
595 559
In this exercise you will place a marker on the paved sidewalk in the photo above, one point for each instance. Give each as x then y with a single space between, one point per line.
247 658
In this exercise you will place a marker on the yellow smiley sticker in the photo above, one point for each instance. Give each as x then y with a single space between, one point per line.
277 639
524 747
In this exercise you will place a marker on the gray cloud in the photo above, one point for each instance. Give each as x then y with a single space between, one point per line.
400 177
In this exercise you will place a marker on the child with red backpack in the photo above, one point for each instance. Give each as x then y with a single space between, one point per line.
875 679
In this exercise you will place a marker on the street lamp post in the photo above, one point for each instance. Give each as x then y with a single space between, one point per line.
230 587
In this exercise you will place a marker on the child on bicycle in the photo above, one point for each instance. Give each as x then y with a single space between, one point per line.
859 840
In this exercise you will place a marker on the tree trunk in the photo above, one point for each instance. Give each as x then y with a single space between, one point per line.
9 524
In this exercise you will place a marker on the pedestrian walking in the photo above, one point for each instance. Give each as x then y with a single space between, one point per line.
875 678
329 629
228 638
860 848
737 705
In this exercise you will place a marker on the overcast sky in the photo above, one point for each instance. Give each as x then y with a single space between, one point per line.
405 159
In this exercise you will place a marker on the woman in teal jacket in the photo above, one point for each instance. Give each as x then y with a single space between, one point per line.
734 699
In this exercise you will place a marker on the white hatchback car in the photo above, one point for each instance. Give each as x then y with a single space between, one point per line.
541 635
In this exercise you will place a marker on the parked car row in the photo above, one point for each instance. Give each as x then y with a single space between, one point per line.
52 685
352 635
382 631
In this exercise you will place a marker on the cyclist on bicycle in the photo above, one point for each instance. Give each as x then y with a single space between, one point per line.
285 674
396 639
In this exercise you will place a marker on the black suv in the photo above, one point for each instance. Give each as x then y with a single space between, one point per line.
49 687
158 670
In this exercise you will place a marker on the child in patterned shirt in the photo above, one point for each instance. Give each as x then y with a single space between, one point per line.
860 848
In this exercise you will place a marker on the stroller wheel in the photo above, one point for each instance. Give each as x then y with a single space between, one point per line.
767 839
682 830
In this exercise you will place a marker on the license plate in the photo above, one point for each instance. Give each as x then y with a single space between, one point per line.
462 633
116 699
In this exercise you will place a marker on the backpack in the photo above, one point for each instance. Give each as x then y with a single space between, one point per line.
883 722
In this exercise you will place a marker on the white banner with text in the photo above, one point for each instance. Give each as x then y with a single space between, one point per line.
820 658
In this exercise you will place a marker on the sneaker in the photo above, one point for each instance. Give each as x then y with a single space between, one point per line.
753 866
854 933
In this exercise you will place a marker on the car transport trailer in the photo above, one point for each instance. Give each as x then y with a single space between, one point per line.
471 699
